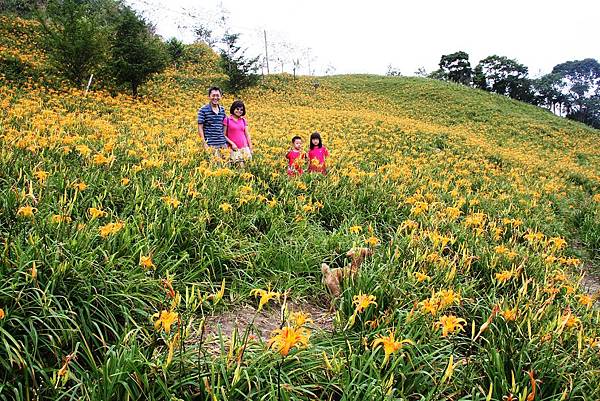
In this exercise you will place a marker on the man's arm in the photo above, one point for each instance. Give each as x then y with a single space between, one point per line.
201 133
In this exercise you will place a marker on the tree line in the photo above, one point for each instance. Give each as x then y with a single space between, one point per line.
571 89
118 47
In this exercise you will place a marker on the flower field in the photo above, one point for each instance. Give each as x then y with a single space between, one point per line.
121 240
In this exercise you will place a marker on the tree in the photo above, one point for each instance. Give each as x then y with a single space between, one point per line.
504 76
421 72
550 92
75 37
581 80
175 48
136 52
393 71
456 67
241 72
204 34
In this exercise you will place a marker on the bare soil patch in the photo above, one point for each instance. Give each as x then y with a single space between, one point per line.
267 320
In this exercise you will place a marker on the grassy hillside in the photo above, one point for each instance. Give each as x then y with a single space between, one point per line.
128 252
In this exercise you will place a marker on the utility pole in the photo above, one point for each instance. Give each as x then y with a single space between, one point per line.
266 52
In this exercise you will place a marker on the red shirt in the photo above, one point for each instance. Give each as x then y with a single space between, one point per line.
295 160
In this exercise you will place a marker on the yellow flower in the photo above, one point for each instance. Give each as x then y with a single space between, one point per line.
355 229
125 181
422 277
453 212
409 225
101 159
41 175
557 242
430 306
110 228
450 324
171 201
146 262
299 319
2 314
265 296
165 319
372 241
225 207
390 345
83 150
504 276
571 321
26 211
586 300
509 314
59 218
80 186
283 340
448 297
96 213
596 198
363 301
272 203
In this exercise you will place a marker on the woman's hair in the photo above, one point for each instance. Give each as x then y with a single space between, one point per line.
295 137
316 135
238 104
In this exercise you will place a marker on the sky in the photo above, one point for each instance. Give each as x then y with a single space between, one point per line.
341 37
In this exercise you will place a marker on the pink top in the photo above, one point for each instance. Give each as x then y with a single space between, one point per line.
316 159
295 159
236 131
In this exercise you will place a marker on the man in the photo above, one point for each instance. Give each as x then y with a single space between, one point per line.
210 122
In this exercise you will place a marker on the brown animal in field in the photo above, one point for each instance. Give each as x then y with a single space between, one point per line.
332 278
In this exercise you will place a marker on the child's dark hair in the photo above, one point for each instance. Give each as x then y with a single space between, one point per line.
295 137
238 104
316 135
215 88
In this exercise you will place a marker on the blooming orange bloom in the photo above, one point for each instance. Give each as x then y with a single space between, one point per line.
171 201
26 211
80 186
362 301
390 345
355 229
422 277
2 314
283 340
96 213
300 318
372 241
504 276
265 296
146 262
450 324
110 228
165 319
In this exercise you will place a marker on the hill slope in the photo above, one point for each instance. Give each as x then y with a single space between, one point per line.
121 237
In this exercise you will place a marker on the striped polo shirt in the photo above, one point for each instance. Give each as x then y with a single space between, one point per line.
212 124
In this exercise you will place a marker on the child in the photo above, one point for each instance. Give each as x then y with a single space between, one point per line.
237 134
317 154
296 157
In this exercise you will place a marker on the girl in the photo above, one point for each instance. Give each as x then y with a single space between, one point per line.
317 154
295 157
237 134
